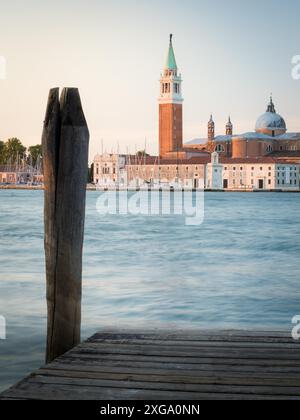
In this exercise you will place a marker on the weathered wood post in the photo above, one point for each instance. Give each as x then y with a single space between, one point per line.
65 158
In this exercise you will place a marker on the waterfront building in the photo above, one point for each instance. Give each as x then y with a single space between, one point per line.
8 174
215 171
260 174
109 169
167 172
20 174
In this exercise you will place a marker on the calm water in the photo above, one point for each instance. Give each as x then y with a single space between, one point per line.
240 269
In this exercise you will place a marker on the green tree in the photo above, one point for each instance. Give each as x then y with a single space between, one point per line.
13 150
34 153
142 153
2 147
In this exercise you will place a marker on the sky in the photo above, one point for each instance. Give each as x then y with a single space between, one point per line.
231 54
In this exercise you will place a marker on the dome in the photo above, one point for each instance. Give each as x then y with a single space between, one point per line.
270 122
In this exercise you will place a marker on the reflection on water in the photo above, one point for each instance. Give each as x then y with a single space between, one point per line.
237 270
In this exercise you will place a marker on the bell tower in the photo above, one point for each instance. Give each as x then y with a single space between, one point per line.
229 127
170 107
211 129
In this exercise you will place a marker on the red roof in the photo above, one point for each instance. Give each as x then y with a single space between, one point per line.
203 160
154 160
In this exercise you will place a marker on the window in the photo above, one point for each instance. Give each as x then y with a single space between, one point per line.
269 149
176 88
219 148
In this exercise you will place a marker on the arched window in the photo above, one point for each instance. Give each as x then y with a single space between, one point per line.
269 149
219 148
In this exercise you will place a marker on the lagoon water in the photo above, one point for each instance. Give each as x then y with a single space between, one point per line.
239 269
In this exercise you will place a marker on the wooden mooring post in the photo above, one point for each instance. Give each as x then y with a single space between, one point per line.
65 158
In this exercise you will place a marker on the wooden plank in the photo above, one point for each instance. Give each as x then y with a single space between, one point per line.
190 334
58 392
153 369
170 367
225 378
186 351
168 386
171 362
271 344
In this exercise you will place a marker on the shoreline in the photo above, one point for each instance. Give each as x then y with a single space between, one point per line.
94 189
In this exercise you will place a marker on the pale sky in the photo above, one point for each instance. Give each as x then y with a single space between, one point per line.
231 54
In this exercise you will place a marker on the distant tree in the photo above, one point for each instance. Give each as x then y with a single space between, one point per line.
2 147
34 153
13 150
142 153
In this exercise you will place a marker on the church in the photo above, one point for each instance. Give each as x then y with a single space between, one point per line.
270 137
265 159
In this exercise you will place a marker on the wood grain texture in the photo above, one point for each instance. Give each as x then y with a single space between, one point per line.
65 149
173 366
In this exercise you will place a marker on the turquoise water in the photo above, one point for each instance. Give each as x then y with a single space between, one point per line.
240 269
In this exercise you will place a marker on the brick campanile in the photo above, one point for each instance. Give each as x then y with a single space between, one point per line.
170 107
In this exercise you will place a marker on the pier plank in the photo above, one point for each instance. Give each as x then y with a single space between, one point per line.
162 365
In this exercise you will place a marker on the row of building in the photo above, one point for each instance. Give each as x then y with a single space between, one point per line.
212 171
20 174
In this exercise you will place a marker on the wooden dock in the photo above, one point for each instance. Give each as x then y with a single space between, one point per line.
161 365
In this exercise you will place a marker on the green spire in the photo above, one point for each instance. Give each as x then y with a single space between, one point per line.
171 61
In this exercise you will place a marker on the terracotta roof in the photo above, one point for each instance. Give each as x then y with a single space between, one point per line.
154 160
203 160
265 159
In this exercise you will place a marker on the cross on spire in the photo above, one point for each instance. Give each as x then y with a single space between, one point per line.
271 106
